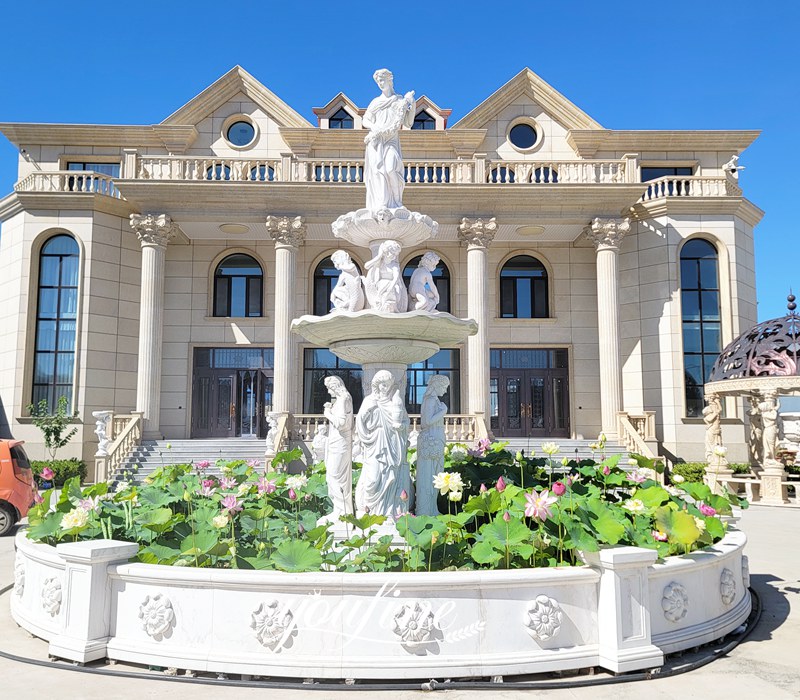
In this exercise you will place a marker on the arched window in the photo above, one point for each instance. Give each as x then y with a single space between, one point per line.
424 121
218 172
238 287
441 277
523 288
325 278
341 120
262 173
700 314
56 319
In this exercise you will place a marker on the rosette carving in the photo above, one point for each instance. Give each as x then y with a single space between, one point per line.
727 586
157 616
51 596
273 625
19 576
543 617
415 624
675 602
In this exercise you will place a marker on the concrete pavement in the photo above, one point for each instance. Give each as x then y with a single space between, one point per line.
766 666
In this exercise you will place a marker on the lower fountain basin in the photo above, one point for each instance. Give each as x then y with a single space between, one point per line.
622 612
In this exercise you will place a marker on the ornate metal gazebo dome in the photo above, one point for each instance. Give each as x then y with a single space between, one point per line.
769 349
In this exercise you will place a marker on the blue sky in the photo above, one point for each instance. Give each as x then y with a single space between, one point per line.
630 65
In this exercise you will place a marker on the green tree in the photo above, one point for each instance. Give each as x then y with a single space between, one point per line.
53 425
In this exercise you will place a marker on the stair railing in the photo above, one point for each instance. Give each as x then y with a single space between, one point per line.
126 435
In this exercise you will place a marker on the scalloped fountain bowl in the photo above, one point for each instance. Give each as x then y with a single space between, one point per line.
622 611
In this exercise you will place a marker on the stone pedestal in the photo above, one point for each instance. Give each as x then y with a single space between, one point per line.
87 597
477 234
607 234
623 610
774 491
288 234
154 232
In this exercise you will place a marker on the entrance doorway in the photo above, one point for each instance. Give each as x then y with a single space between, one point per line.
231 392
529 393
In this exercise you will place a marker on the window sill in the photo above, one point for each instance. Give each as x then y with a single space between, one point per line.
228 319
723 421
28 420
545 321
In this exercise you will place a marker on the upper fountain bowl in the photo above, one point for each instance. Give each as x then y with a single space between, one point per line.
369 228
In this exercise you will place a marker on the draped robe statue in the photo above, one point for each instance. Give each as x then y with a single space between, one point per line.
431 444
383 162
339 449
382 427
348 294
383 283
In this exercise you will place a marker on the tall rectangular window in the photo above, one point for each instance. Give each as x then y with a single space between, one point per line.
443 362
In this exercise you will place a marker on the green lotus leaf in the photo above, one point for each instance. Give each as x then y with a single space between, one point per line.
295 556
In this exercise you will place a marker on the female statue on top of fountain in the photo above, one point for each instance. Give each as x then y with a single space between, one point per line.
422 292
384 175
383 282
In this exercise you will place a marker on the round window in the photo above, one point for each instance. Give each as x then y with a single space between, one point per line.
523 136
241 133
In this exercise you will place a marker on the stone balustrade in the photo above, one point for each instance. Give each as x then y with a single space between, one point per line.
77 181
457 427
690 187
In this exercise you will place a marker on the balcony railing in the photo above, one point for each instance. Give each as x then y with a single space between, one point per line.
672 186
80 181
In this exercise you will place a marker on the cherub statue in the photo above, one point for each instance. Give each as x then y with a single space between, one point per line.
422 292
348 294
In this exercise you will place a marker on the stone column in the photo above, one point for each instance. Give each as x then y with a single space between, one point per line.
477 234
607 234
155 231
288 234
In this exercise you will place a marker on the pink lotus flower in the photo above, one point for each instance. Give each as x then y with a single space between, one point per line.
207 488
559 489
231 504
253 463
47 474
228 482
659 536
37 499
266 486
606 471
90 503
637 477
292 495
501 485
483 488
506 516
404 495
202 464
706 509
538 505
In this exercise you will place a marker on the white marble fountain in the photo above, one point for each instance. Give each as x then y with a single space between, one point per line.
622 611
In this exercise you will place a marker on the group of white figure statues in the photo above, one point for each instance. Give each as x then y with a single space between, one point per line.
381 431
382 287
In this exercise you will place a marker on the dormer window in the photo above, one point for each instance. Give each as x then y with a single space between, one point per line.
424 121
341 120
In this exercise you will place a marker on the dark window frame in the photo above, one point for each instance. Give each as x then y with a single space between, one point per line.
222 301
58 320
424 121
706 323
538 279
341 119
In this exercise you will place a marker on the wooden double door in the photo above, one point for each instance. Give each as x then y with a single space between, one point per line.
230 402
530 402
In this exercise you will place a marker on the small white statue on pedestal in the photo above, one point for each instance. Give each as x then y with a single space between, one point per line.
431 444
383 282
348 294
101 430
384 174
319 443
272 433
732 167
422 292
339 449
382 427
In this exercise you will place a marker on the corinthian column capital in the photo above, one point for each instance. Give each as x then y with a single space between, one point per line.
607 233
155 230
286 231
477 233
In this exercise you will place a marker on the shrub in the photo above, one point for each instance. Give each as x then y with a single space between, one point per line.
691 471
53 425
63 469
739 468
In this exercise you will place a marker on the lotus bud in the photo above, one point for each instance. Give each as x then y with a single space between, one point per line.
564 462
292 495
519 457
501 484
507 516
483 488
403 495
606 471
559 489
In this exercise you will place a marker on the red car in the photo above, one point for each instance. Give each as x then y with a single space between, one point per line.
17 486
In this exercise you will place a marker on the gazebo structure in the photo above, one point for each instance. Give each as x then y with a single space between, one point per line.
762 364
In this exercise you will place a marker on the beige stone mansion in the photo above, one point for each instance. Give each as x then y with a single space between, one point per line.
154 270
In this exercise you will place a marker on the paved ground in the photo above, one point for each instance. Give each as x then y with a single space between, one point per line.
765 667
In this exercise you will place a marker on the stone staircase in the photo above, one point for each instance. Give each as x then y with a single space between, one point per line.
571 449
151 454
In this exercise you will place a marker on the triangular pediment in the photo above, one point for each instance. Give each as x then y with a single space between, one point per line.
339 101
236 81
527 83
